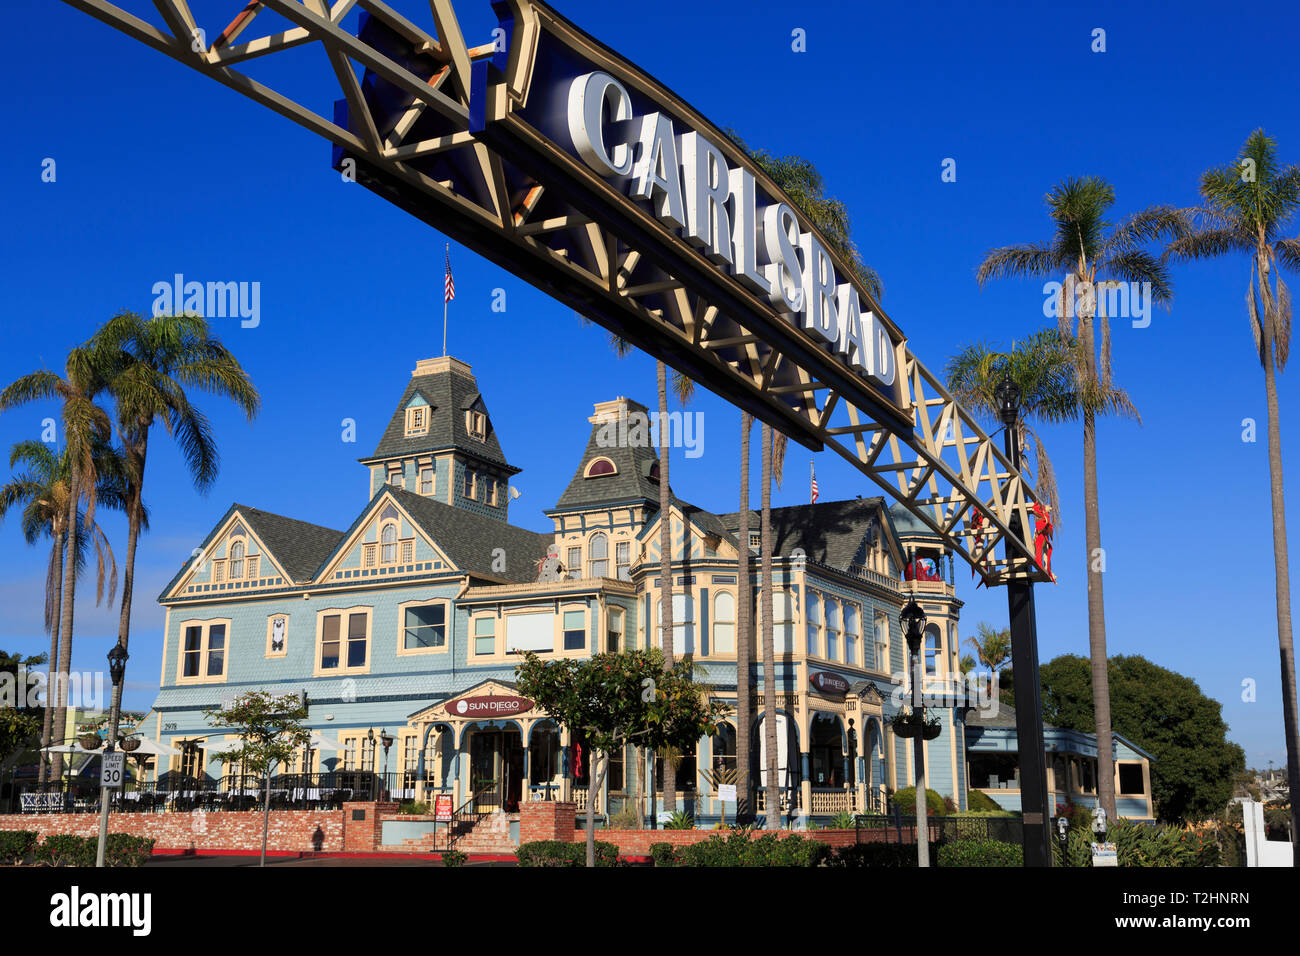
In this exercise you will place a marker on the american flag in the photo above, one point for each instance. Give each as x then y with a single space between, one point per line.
449 287
814 482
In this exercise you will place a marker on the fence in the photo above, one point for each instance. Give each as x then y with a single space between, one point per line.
898 828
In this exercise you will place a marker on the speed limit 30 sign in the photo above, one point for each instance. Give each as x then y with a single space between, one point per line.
114 770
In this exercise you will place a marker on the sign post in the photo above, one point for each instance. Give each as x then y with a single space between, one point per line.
111 773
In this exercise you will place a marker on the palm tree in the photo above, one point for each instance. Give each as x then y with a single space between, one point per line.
1042 366
1247 205
150 362
992 649
666 564
744 635
42 492
1093 256
85 427
773 453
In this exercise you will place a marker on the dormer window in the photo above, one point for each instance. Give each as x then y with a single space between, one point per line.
600 466
476 424
417 421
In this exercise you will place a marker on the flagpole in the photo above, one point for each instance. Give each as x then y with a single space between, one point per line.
444 305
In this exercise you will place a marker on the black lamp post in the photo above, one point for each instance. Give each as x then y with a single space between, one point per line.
386 739
116 671
370 739
1024 662
912 620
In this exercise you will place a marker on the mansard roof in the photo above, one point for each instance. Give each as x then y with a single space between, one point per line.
469 539
833 533
632 462
450 388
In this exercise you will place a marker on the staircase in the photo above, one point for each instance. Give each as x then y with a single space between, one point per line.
490 836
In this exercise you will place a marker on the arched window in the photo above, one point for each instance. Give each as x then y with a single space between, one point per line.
933 650
724 623
832 630
598 553
388 542
600 466
851 633
814 619
236 561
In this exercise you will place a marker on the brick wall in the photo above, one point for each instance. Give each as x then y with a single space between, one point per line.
546 820
289 830
363 825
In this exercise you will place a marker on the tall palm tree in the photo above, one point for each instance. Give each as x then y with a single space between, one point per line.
744 636
1247 205
42 490
992 649
1091 253
85 426
1042 366
773 453
149 363
666 564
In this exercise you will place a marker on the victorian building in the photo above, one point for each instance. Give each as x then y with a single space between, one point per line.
408 623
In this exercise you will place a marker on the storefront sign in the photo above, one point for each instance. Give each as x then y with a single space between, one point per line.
727 792
831 684
442 808
488 706
1104 854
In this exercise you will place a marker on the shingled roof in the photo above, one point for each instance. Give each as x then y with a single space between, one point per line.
632 461
469 539
299 547
833 533
450 388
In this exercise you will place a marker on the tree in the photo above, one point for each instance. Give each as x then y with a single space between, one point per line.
41 491
85 427
992 650
149 363
773 452
614 700
1195 766
19 725
744 637
1093 257
1042 367
270 730
1247 206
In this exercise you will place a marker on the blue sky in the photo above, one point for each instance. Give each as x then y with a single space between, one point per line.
161 171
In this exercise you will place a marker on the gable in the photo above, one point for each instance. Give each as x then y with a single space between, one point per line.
232 560
384 541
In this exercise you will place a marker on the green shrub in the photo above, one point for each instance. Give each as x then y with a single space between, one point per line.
123 849
905 800
415 808
61 849
664 854
16 846
557 853
739 849
842 821
981 853
680 820
454 858
1144 845
977 800
623 820
895 855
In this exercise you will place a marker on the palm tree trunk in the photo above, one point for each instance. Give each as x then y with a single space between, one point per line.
773 798
57 733
666 566
48 717
1097 622
135 508
1282 579
744 636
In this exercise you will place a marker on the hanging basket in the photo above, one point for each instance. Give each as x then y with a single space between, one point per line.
89 741
128 744
905 730
932 731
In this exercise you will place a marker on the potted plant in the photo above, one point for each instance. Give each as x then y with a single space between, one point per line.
906 725
89 741
128 744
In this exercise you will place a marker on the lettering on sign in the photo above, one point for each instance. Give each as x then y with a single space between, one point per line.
831 684
488 706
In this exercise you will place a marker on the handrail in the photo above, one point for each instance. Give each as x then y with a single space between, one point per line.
463 815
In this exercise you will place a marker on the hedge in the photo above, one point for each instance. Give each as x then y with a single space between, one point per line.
123 849
62 849
740 849
16 846
981 853
558 853
905 800
979 801
895 855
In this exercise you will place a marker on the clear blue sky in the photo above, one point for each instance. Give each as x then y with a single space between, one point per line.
160 171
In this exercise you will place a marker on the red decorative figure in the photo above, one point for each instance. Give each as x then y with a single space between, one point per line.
1043 537
977 521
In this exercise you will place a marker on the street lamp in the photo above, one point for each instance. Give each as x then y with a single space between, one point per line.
116 671
912 620
370 741
386 739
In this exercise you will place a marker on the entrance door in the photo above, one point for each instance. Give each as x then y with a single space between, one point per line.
496 760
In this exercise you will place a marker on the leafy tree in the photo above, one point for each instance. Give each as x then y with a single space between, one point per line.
616 700
992 649
149 364
19 726
1195 766
270 730
1248 205
1092 255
